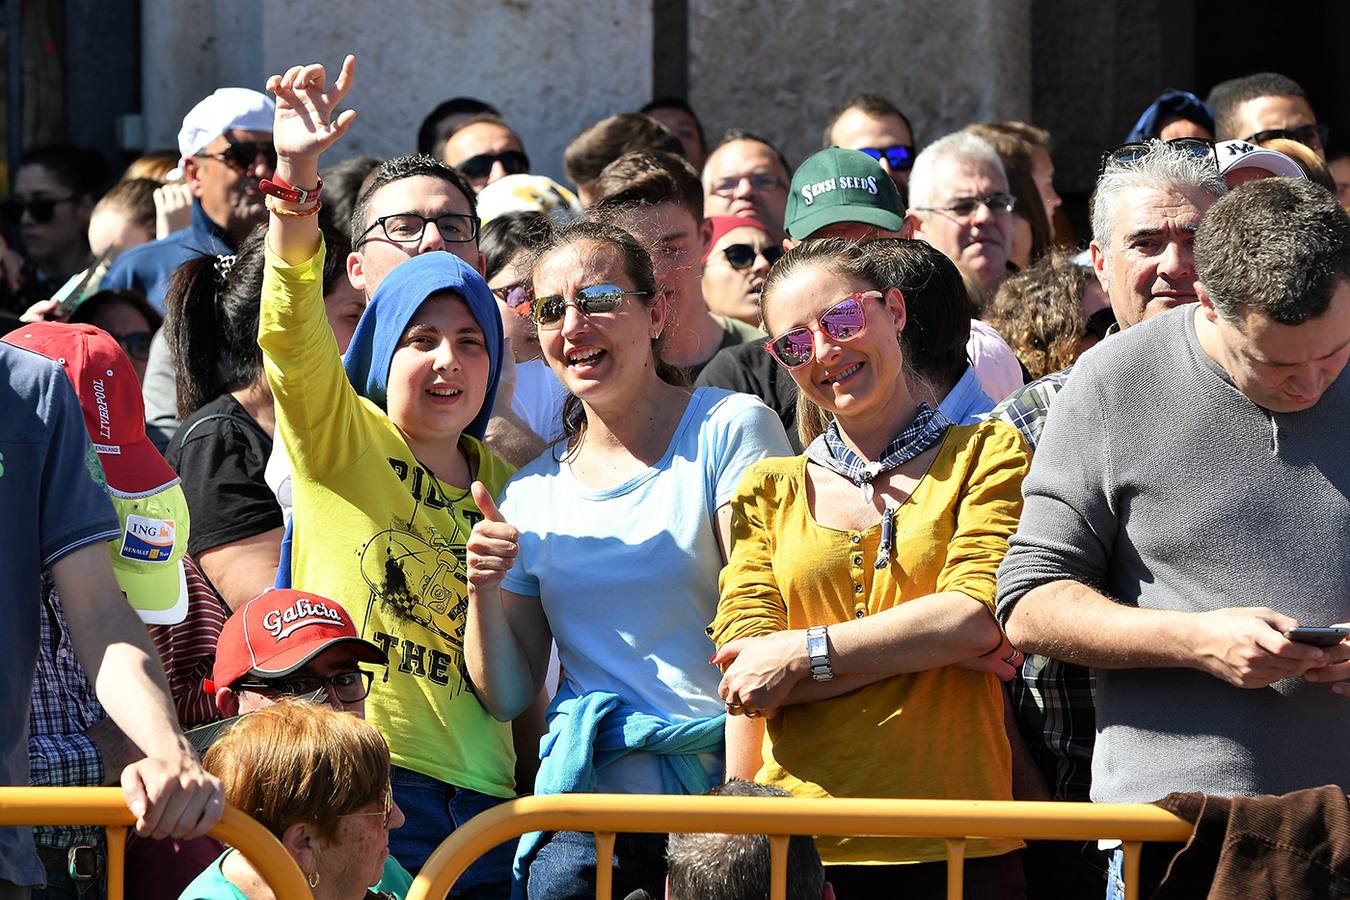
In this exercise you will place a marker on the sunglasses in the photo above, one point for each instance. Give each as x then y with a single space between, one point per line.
348 687
843 322
1100 323
963 207
42 209
899 157
477 168
244 155
516 298
1308 135
742 256
759 181
387 812
598 298
136 344
1128 154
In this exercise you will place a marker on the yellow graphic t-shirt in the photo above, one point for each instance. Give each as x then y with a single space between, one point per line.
378 532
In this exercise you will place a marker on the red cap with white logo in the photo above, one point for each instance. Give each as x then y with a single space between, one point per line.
280 631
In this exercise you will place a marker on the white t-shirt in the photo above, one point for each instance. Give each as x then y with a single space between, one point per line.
628 576
538 399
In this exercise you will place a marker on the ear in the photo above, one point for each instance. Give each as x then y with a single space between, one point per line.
1206 303
1099 266
705 233
789 243
356 273
227 702
895 305
482 264
913 225
300 840
192 175
827 892
658 312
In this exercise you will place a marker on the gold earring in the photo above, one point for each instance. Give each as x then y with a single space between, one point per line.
314 879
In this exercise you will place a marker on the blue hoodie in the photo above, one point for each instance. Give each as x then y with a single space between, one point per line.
1171 102
391 309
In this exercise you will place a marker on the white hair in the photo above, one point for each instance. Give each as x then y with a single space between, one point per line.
959 145
1163 167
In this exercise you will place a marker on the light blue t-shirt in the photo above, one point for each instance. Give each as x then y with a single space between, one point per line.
628 576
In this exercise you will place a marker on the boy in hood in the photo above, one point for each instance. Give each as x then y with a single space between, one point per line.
384 453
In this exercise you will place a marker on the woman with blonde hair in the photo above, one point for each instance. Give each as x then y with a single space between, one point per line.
318 779
856 606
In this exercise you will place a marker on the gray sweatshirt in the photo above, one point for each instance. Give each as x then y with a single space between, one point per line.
1162 485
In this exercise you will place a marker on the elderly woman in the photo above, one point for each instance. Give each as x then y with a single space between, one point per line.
318 779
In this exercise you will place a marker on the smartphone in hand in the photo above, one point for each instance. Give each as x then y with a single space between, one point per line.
1328 636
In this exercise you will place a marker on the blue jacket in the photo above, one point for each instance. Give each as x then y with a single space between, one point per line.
149 268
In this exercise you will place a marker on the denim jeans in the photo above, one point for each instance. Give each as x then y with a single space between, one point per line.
565 866
60 886
433 810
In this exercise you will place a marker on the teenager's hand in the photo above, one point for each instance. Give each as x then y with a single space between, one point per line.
493 544
307 123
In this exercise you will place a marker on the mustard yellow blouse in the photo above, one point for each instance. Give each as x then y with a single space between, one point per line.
933 734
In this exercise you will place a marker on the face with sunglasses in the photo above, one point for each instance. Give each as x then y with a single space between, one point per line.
515 300
224 178
838 338
484 152
887 139
1281 117
734 273
596 327
50 218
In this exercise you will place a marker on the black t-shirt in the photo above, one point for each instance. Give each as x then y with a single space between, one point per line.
220 453
749 369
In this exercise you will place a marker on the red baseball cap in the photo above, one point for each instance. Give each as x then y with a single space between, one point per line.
110 395
280 631
717 226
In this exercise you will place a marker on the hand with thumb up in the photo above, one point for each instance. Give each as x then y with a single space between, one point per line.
492 545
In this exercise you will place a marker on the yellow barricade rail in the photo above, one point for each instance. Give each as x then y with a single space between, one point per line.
781 817
105 806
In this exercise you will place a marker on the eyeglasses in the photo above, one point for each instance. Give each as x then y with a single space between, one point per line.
243 155
963 207
742 256
759 181
348 687
387 812
1100 323
40 208
516 297
408 228
478 168
898 156
136 344
589 301
844 321
1314 136
1128 154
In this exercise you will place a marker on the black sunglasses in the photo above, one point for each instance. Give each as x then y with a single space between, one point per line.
1128 154
42 209
898 156
348 686
1312 136
742 256
136 344
476 168
243 155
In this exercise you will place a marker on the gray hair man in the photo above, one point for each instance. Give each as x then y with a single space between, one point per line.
959 203
1179 569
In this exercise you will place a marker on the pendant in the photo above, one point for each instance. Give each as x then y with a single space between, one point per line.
867 491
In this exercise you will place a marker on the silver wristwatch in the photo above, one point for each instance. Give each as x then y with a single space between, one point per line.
818 649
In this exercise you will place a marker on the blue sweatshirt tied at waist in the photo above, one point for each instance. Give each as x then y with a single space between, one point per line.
590 732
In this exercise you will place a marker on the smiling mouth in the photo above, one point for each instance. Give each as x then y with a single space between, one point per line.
835 379
586 356
444 392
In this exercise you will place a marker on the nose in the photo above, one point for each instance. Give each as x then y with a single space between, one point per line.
743 187
1177 263
982 214
885 163
498 171
824 346
261 167
396 817
432 239
761 266
330 692
573 322
447 360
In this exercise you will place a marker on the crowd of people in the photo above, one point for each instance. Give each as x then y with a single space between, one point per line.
368 495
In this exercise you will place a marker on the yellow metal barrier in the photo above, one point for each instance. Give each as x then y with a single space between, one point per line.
955 820
105 806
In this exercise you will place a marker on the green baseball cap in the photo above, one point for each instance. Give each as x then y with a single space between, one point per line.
837 185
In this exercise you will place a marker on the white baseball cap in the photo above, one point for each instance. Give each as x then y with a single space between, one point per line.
1233 156
225 110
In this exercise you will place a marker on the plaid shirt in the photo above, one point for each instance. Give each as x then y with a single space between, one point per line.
1055 702
62 706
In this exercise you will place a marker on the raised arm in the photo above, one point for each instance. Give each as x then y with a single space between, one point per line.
307 124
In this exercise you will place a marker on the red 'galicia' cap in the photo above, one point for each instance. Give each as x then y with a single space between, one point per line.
280 631
110 395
